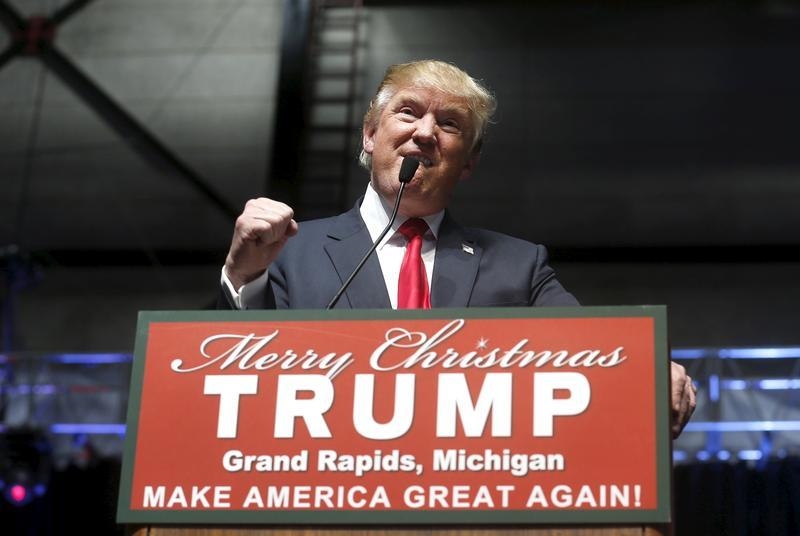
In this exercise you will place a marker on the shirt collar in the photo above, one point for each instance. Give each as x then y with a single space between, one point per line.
375 212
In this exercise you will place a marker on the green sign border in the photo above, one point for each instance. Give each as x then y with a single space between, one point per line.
658 515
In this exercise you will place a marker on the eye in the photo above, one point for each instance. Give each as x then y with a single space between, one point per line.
406 111
450 125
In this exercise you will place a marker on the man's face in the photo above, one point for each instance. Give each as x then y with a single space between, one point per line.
432 126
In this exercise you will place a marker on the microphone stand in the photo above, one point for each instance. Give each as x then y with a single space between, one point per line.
407 170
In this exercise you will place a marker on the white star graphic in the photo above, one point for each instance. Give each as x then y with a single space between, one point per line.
482 342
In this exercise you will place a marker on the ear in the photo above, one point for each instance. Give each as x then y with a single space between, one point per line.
469 166
368 139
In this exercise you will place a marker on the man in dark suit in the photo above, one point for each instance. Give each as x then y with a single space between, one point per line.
436 113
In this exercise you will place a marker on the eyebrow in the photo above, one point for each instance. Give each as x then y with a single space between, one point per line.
447 108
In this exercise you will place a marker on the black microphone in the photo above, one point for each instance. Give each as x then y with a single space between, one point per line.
407 170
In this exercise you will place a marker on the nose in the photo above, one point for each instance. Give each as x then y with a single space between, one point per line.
425 131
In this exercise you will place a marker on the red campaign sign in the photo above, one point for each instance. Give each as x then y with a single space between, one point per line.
501 415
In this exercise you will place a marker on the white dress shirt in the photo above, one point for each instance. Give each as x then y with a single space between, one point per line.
375 212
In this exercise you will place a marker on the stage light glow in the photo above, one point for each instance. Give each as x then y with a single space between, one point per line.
17 493
759 353
92 359
713 387
779 384
87 428
703 455
25 464
750 455
688 353
734 385
743 426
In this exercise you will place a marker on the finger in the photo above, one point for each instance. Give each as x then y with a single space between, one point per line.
265 228
269 215
270 225
686 406
684 402
692 395
267 207
677 385
292 228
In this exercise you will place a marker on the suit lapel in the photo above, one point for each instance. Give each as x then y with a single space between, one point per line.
349 242
456 267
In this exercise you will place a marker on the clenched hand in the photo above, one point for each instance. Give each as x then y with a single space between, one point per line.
259 235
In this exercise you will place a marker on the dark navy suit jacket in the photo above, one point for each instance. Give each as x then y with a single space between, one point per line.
473 268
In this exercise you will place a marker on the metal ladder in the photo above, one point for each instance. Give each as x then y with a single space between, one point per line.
331 137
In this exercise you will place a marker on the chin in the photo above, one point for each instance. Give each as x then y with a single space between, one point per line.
419 207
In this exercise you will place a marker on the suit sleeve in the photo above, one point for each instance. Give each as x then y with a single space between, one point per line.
546 290
258 294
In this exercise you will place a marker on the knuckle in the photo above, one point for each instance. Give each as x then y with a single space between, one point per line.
285 211
241 223
259 228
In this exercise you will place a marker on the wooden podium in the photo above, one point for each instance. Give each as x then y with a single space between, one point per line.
501 422
662 530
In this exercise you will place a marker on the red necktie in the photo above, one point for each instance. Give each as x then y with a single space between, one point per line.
412 287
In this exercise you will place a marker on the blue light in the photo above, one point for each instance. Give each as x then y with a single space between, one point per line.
78 428
735 385
91 359
773 384
679 456
39 389
778 384
744 426
749 455
759 353
736 353
723 455
713 387
703 455
689 353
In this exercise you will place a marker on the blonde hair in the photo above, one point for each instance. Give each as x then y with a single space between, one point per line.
433 74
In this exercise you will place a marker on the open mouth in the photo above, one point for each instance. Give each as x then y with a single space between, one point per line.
423 160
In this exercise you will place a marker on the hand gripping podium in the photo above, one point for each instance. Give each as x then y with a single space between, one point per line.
546 421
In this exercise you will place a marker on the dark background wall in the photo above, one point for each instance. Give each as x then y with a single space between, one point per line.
651 147
631 125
